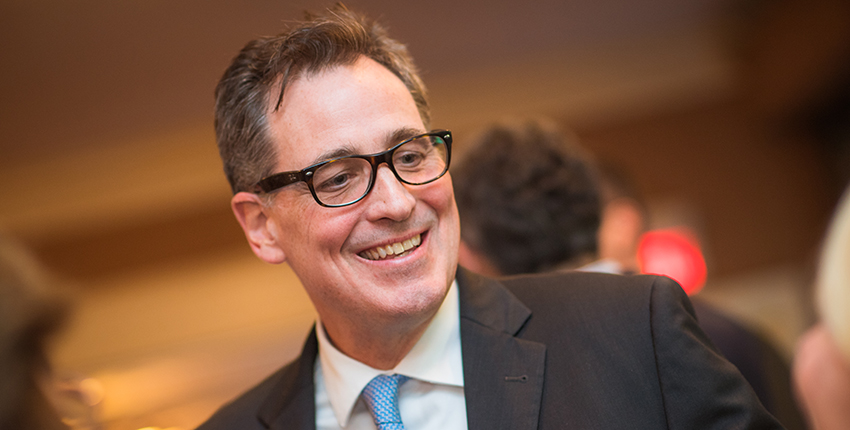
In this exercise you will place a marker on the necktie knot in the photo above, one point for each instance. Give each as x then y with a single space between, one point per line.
381 396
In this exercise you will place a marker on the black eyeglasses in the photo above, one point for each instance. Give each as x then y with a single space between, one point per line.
347 180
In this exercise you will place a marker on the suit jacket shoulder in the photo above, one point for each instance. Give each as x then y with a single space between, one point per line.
286 399
587 351
620 352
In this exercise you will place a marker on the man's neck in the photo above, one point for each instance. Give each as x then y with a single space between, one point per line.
381 346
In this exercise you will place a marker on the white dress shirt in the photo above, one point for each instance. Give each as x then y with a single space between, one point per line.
432 399
603 266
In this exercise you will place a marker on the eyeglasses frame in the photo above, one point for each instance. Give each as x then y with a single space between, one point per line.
279 180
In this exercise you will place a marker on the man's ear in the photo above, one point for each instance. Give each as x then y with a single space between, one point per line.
259 228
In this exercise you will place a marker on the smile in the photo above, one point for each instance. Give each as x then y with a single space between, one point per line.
392 250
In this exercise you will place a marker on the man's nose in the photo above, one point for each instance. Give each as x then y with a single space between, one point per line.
389 197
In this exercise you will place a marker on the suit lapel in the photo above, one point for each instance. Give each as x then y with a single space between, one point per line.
503 374
291 403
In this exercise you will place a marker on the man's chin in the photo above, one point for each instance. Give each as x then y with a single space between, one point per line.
416 298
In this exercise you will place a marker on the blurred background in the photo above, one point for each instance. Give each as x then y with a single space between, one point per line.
732 116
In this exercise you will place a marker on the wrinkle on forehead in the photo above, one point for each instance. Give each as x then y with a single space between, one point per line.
342 111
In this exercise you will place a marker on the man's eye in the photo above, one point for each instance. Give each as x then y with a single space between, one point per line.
409 159
339 180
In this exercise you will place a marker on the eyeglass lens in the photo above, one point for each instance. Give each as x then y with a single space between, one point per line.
346 180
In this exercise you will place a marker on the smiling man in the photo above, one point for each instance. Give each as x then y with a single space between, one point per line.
374 290
325 136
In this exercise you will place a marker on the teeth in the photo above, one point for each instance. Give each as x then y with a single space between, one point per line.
397 248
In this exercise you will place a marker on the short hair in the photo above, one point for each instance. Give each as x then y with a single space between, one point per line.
528 197
269 64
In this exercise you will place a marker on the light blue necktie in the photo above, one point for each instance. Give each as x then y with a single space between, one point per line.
381 396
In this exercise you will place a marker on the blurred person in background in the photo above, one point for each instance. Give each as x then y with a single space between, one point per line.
624 228
822 360
30 312
324 134
528 201
623 221
532 200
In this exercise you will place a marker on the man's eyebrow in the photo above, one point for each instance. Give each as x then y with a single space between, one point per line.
402 134
392 139
343 151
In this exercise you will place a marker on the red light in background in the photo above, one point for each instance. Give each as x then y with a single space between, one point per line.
674 253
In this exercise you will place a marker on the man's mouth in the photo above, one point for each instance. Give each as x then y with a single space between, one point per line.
392 250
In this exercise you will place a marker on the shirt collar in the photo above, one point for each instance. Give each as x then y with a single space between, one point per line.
436 358
603 266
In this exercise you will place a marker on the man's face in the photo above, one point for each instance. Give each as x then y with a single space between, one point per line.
361 109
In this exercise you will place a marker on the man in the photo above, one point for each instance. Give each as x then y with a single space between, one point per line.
403 335
531 201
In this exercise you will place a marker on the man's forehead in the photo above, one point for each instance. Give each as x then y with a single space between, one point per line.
360 108
340 75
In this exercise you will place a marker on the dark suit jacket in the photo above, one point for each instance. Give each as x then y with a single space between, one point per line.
561 351
759 362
